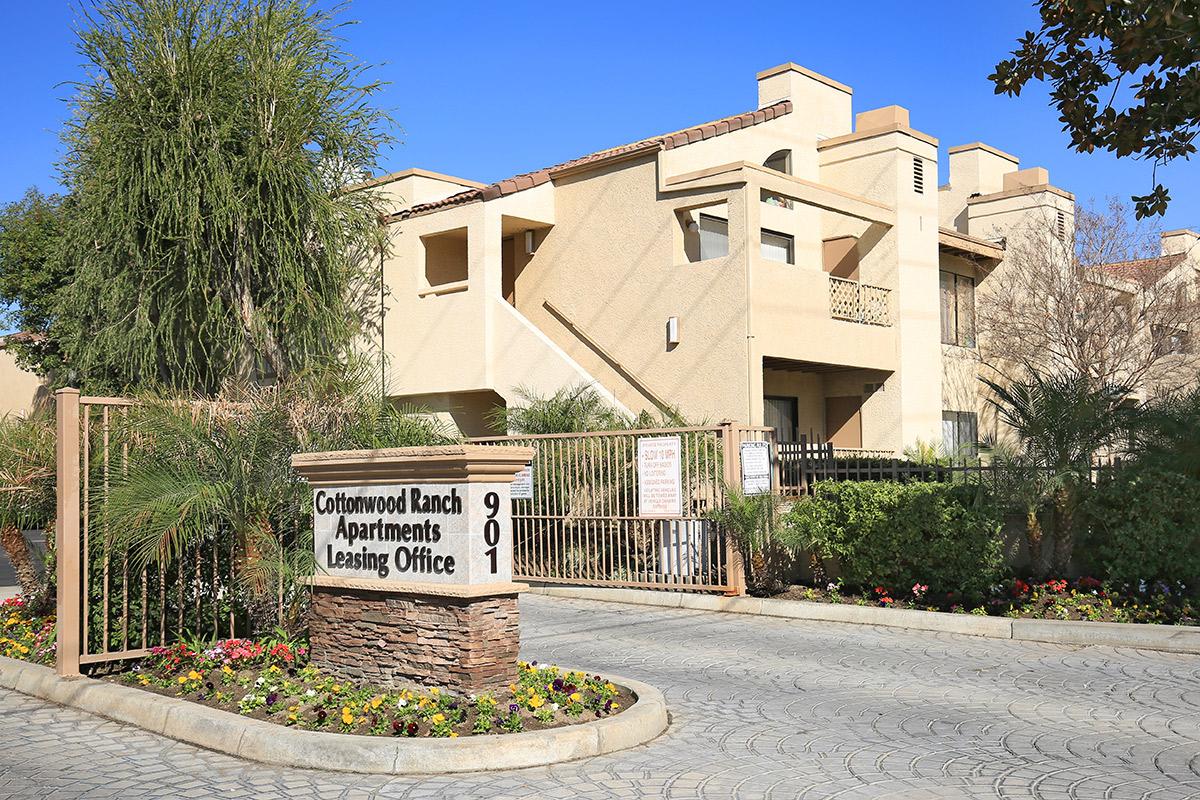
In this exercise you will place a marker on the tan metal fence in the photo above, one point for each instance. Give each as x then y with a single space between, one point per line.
108 608
583 524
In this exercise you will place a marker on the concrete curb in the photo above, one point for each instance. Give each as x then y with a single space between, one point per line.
1170 638
256 740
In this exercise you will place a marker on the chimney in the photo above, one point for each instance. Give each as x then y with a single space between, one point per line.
1033 176
886 117
821 99
1180 241
979 168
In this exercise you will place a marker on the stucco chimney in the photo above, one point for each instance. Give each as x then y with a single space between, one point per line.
1033 176
822 99
884 117
978 168
1181 241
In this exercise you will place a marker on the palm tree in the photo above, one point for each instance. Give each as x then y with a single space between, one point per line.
201 471
27 492
572 409
1061 422
754 523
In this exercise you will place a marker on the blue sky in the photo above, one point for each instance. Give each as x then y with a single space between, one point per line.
487 90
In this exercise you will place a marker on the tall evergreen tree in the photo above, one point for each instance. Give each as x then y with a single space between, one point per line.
205 161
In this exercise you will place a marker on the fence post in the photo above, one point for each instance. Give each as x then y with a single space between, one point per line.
735 570
66 531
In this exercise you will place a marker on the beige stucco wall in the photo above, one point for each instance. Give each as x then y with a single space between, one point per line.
20 390
611 265
904 258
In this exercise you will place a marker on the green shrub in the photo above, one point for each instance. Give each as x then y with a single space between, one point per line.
883 533
1144 525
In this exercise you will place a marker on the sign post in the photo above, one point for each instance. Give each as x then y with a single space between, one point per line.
413 548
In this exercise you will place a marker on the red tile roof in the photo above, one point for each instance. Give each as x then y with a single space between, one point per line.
665 141
1145 271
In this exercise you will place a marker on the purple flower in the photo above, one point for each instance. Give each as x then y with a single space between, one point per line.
512 708
558 684
272 698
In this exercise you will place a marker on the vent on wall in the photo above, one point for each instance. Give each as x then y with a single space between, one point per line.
1060 224
918 175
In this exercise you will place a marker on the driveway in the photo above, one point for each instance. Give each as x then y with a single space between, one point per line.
762 708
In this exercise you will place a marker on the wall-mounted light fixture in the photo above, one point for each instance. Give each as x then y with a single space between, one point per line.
529 243
672 331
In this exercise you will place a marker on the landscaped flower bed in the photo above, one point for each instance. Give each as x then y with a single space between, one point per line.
272 681
1084 599
24 635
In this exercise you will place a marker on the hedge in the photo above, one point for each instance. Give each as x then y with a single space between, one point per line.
1144 525
889 534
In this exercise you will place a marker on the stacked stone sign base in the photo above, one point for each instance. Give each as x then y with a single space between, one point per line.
468 644
414 565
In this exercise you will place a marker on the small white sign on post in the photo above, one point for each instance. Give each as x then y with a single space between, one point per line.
522 485
660 487
756 467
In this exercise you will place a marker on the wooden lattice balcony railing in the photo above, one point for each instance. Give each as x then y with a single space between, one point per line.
859 302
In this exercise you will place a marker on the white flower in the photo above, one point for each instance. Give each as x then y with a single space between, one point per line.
272 688
260 681
401 703
311 693
554 706
247 698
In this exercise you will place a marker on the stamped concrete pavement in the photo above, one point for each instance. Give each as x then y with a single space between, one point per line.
761 708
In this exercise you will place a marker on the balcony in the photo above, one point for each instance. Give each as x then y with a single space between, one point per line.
859 302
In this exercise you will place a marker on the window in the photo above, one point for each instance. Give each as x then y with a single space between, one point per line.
1169 340
780 161
958 309
777 247
445 258
960 433
918 175
780 413
714 237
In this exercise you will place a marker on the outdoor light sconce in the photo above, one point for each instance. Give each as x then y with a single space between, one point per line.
529 243
672 331
693 226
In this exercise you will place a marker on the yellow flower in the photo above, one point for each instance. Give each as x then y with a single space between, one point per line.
576 697
512 687
293 708
347 717
536 701
435 691
376 701
438 719
194 676
453 735
225 668
609 687
616 706
183 678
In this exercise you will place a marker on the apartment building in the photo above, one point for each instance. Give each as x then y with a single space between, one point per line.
796 265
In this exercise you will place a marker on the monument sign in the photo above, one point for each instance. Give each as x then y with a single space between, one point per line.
413 548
